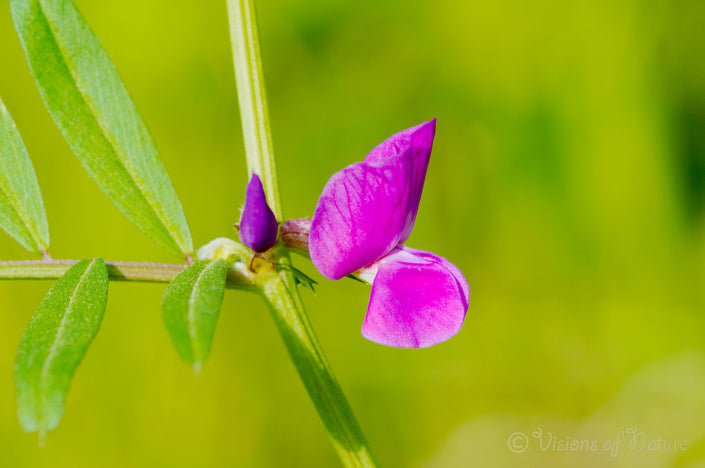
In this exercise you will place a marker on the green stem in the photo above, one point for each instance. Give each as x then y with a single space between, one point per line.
117 271
252 99
316 373
279 289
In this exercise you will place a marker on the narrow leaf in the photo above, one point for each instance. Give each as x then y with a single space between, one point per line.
89 103
191 306
56 340
22 212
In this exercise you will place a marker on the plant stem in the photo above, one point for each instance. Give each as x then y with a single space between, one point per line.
316 373
117 271
279 289
252 99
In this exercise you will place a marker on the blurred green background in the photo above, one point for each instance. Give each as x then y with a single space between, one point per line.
567 182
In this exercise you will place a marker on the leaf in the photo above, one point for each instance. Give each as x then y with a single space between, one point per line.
89 103
299 276
56 340
355 278
191 306
22 212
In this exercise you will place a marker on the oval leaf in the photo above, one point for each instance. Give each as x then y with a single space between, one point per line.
191 306
22 212
56 340
89 103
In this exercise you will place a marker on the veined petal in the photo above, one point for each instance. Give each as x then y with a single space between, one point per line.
414 145
463 286
418 299
358 219
370 207
258 225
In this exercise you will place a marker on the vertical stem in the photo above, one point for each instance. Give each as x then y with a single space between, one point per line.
316 373
279 289
252 98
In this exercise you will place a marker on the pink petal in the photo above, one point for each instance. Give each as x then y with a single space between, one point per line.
370 207
415 144
418 299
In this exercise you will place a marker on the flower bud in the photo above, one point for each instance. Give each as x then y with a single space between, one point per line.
258 225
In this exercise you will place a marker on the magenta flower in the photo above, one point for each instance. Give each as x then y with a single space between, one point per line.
258 225
364 215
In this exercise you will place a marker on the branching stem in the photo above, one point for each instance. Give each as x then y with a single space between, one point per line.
278 286
118 271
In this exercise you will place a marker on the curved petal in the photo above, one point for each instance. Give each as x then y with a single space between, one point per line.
463 286
370 207
258 225
415 145
358 218
418 299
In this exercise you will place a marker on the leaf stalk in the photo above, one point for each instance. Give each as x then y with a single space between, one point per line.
144 272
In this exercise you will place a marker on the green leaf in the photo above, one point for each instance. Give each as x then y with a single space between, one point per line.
300 277
22 212
89 103
56 340
191 306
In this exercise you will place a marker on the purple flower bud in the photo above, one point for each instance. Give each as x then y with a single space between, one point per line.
258 225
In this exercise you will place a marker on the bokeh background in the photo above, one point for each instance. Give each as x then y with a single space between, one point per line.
567 182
